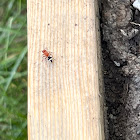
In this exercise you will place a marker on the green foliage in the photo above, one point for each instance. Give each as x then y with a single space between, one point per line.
13 70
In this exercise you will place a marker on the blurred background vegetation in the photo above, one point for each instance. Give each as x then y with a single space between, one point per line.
13 70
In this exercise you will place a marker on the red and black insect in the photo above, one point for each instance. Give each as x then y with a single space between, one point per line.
47 55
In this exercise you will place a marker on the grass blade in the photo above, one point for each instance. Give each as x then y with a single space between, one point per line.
21 56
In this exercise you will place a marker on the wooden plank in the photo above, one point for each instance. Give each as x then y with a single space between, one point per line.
64 97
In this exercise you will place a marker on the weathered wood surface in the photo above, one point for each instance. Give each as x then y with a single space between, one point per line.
64 97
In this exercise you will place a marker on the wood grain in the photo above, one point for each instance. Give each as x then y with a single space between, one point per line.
65 98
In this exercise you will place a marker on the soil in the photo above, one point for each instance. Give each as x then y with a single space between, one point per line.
121 60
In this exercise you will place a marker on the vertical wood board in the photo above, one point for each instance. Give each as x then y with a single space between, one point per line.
64 97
